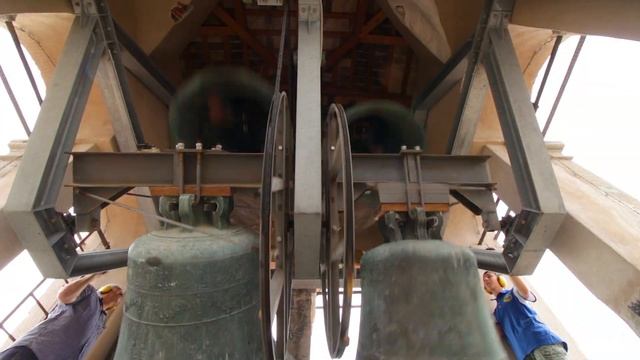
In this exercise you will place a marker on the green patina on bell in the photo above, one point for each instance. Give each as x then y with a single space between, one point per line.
192 295
422 300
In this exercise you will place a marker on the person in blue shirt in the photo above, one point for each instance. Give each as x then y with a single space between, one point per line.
529 338
73 325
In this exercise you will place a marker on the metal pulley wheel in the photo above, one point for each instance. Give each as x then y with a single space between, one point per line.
337 247
275 243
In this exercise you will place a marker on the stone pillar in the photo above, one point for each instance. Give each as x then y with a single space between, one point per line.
303 311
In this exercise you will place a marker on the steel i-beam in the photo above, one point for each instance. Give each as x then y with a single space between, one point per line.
308 170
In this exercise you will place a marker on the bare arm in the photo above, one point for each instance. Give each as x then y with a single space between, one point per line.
69 293
523 289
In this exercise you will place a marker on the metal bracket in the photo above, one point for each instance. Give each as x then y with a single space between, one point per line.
417 225
389 227
309 11
480 203
412 174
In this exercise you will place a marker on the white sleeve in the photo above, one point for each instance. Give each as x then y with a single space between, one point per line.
531 298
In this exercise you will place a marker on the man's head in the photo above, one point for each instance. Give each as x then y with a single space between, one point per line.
111 295
493 283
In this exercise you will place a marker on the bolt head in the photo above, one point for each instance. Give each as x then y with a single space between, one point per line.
403 147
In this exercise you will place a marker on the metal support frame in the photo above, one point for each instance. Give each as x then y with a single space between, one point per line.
30 206
547 71
451 73
14 101
474 85
113 82
563 86
113 79
23 58
493 64
91 48
543 208
141 66
308 189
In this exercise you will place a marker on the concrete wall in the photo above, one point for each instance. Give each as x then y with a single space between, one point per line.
614 18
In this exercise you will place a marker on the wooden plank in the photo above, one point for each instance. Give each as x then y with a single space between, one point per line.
402 207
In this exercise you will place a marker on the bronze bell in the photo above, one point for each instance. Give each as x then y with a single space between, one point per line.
192 294
423 300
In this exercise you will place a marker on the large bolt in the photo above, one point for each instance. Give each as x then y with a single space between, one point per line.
180 146
199 146
403 147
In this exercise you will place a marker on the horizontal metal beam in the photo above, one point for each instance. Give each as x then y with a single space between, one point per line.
138 169
120 170
436 169
490 260
88 263
141 66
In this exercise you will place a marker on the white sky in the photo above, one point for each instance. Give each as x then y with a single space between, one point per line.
598 120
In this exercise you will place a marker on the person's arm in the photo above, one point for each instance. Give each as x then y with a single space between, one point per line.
69 293
522 288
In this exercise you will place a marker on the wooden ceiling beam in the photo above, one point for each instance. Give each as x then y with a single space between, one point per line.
221 31
383 40
336 55
244 34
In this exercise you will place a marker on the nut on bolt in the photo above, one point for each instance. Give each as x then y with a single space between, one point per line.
199 146
180 146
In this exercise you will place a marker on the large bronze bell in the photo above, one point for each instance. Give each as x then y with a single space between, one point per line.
192 295
422 300
226 106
